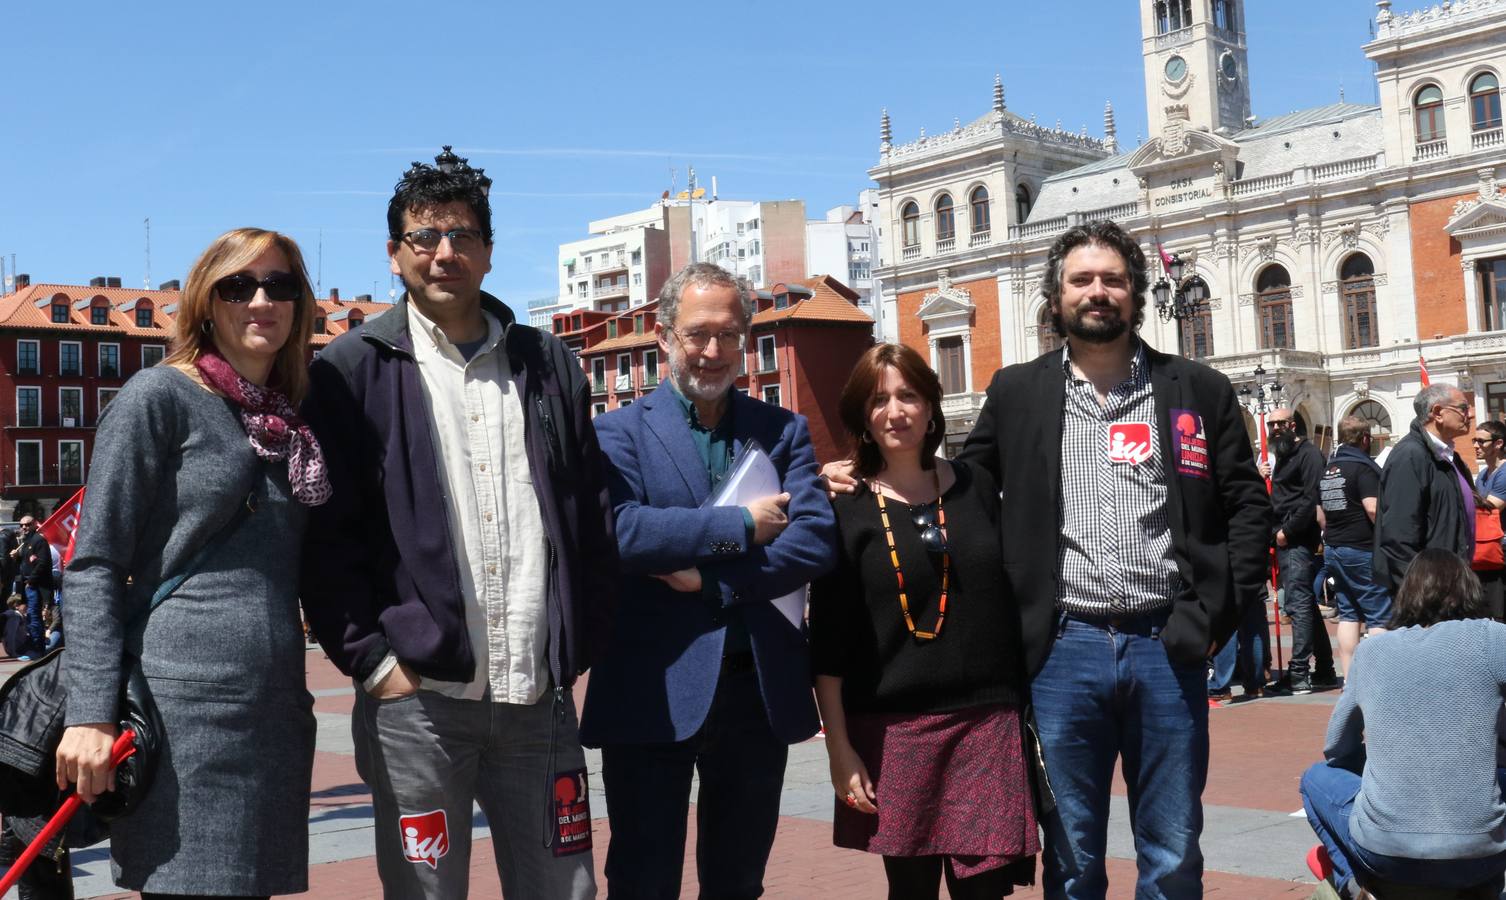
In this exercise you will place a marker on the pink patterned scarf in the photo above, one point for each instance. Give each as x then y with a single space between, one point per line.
275 430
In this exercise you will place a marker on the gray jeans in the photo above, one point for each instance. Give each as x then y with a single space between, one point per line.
427 757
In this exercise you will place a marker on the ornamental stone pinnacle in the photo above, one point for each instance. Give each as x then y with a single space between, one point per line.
1110 133
886 135
998 92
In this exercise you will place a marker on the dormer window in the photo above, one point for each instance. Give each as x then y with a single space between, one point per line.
99 314
319 325
60 313
143 317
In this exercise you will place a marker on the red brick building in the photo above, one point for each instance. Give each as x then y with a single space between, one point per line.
65 352
805 337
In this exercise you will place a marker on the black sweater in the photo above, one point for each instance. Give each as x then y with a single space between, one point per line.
858 631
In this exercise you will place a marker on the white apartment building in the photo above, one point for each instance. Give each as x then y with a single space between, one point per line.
845 246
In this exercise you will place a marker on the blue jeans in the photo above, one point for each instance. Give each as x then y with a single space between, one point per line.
1110 692
35 598
1360 599
1248 648
741 763
1328 793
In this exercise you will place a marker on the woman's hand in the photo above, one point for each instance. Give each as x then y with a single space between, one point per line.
83 758
850 779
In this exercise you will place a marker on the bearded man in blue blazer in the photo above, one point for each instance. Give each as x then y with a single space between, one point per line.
704 674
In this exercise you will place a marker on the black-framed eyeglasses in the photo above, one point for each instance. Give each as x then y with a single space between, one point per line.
1482 440
1277 424
462 240
926 523
282 287
697 340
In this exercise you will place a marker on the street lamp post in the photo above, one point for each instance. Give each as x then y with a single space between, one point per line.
1179 294
1263 398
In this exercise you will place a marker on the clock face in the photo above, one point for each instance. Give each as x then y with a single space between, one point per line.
1176 68
1229 66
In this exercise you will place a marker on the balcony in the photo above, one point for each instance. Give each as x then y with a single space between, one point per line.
623 383
946 244
607 289
910 252
599 384
980 238
1490 137
1431 150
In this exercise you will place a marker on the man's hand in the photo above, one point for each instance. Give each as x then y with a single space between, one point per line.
399 683
685 580
769 518
839 478
1265 469
1280 538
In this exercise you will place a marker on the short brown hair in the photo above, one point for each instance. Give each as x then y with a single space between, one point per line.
1438 587
1351 429
857 398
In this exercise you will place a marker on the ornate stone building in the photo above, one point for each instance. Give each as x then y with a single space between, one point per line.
1338 244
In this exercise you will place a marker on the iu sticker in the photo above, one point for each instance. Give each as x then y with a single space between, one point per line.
572 813
1129 442
1190 444
426 837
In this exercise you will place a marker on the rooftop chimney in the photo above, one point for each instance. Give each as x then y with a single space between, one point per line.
363 298
173 285
334 293
98 281
23 280
113 281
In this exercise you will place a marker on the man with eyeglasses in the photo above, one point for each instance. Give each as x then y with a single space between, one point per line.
704 674
462 571
34 568
1297 535
1427 494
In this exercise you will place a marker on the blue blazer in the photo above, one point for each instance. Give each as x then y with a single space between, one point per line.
657 680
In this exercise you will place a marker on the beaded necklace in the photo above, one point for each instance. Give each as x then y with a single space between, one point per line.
899 574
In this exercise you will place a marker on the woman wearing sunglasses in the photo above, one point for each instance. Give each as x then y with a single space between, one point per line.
202 469
917 652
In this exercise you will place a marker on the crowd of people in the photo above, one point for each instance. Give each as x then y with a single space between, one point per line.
987 636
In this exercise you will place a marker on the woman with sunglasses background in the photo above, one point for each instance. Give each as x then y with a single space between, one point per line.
916 647
201 468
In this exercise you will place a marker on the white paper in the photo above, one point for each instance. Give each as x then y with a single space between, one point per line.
753 477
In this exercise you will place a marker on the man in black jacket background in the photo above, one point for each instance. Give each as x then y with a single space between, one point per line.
1427 496
1296 496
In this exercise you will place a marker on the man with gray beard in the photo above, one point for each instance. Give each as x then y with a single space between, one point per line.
703 673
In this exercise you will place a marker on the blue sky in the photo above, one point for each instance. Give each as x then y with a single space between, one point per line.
300 116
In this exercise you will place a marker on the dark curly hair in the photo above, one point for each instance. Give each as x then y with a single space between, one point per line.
1105 234
425 188
1438 587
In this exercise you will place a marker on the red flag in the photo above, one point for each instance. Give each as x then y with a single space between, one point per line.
1422 368
1165 257
61 525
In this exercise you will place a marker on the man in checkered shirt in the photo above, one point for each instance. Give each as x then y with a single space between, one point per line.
1142 464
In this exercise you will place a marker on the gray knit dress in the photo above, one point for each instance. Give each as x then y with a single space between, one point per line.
224 655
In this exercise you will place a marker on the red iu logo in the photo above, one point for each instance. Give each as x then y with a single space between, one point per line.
1129 442
426 837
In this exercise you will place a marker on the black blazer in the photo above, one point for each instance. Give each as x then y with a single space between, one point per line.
1221 516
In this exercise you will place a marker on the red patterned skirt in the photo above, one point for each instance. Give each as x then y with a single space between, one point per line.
948 784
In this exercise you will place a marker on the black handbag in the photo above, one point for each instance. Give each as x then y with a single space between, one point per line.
33 704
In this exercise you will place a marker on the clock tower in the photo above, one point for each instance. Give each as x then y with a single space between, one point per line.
1196 67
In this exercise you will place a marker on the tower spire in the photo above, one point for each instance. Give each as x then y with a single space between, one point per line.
885 134
1110 133
998 92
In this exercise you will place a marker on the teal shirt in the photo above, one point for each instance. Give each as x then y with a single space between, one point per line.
715 447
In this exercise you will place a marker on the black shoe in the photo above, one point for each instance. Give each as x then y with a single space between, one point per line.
1281 687
1326 680
1301 684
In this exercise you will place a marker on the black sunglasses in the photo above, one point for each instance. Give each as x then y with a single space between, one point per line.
280 286
931 534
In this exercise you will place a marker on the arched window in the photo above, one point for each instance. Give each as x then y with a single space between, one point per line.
909 217
1357 286
978 209
1485 102
1045 331
1021 204
1197 331
1223 14
1427 111
1273 304
946 220
1380 423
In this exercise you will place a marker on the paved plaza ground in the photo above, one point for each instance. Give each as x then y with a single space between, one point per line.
1255 838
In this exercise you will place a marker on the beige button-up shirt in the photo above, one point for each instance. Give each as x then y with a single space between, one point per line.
476 419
